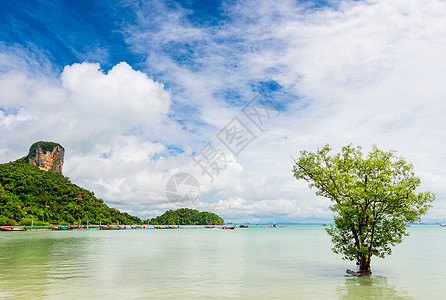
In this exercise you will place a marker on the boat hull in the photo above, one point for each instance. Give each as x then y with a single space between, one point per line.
12 228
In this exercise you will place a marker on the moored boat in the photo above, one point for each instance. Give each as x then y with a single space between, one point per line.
228 227
160 227
12 228
102 227
111 227
67 227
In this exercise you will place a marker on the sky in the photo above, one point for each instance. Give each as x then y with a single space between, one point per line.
228 92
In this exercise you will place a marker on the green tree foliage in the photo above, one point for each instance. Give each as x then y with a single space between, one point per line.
373 198
31 221
186 216
6 221
26 193
45 146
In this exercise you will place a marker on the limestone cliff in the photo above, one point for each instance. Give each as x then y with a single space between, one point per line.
47 156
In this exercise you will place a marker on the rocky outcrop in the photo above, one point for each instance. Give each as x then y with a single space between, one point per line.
47 156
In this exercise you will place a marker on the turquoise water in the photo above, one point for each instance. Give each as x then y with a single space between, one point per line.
295 262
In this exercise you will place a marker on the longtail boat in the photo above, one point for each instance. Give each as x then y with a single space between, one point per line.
111 227
13 228
228 227
67 227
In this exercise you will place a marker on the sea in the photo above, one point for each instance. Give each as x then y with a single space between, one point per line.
292 262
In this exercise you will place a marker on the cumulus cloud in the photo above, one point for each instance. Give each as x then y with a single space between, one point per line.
114 103
360 72
123 95
85 105
363 72
104 120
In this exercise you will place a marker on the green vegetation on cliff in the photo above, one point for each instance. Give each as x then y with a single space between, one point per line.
26 193
45 146
186 216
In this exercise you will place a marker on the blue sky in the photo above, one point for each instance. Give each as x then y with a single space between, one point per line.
135 89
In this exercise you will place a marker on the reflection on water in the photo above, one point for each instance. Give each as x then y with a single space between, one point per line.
294 262
24 266
370 287
119 264
30 263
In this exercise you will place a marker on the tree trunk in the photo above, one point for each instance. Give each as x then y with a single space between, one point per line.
364 264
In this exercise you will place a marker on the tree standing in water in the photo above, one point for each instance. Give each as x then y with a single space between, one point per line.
373 198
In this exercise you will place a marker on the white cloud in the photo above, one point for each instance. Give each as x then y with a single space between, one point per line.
8 119
363 72
87 105
116 102
108 123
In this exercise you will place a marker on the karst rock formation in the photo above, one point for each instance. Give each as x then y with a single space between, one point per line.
47 156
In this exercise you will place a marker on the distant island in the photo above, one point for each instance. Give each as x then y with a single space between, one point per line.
187 216
33 189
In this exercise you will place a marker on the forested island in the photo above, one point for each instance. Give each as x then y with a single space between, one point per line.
187 216
33 188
